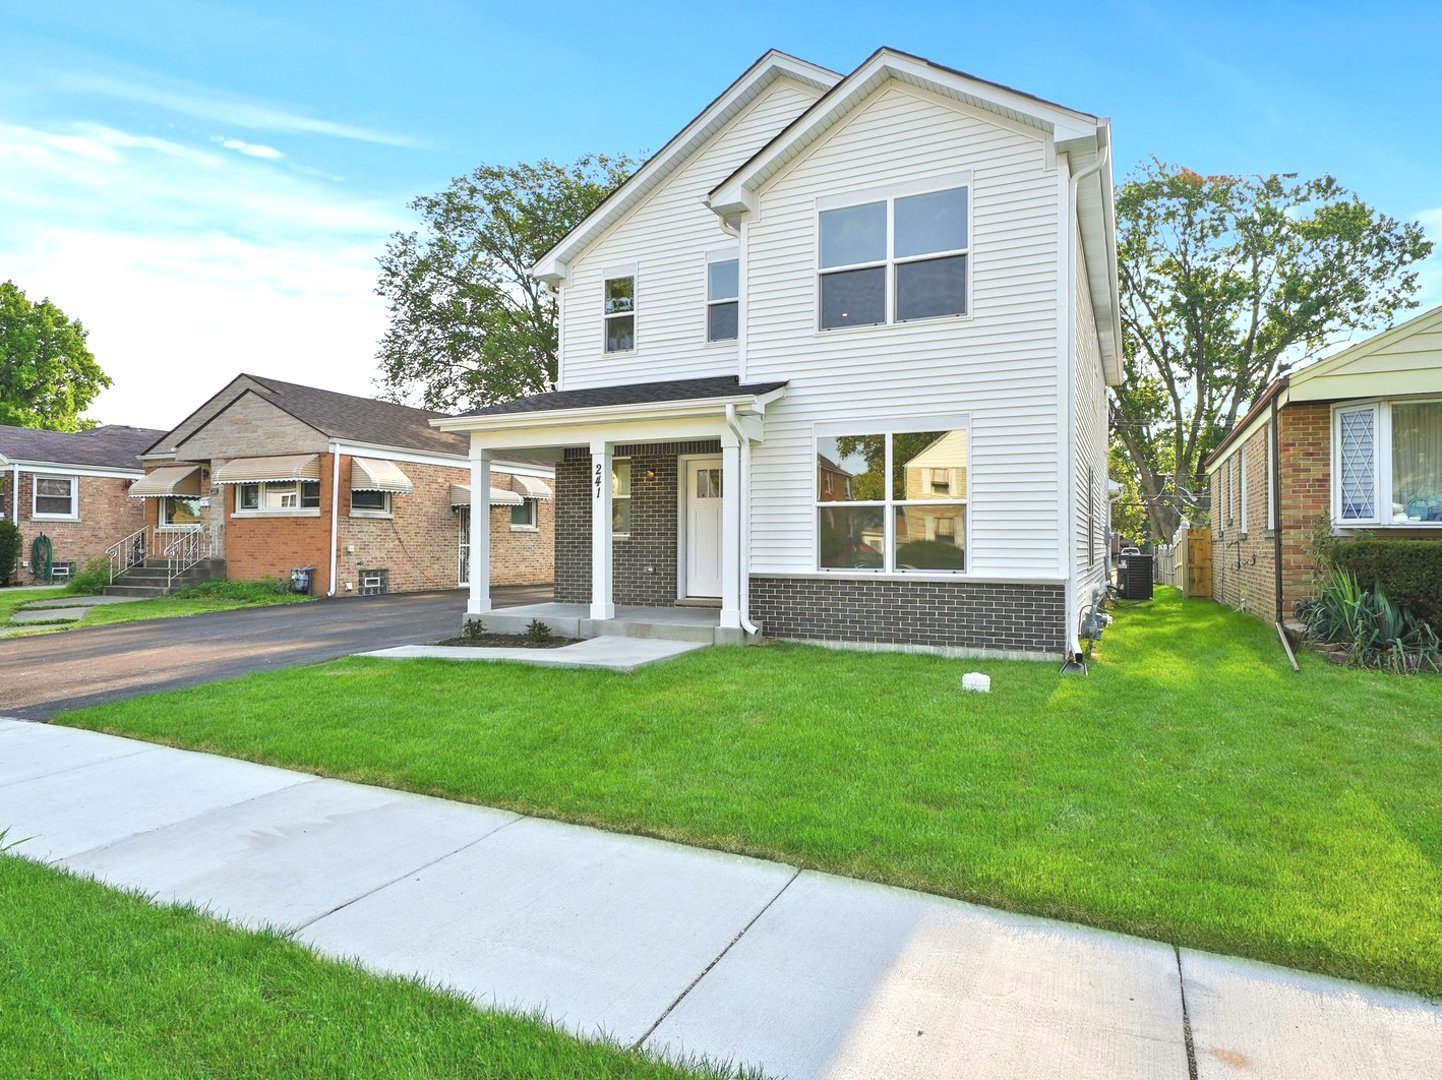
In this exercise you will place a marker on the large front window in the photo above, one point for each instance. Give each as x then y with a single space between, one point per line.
892 501
182 511
1387 464
894 259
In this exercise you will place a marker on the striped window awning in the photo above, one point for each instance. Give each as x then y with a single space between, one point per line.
258 470
182 480
532 487
372 474
461 496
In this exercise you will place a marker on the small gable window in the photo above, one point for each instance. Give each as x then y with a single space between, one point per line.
619 309
722 299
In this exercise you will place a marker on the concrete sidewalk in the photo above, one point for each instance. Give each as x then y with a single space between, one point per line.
678 949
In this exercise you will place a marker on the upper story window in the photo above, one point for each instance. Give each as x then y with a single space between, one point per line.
1387 464
722 298
894 259
619 311
55 497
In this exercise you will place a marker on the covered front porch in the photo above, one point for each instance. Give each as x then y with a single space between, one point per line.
651 486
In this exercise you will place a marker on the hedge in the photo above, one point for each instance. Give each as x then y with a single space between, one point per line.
1409 571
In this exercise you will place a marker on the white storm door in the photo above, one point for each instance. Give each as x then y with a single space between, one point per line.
703 527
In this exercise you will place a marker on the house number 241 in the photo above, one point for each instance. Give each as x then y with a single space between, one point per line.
596 481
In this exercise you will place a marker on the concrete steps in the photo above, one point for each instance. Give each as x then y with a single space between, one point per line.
152 578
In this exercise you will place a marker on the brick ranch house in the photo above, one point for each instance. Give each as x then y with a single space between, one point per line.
72 489
1352 444
833 367
268 476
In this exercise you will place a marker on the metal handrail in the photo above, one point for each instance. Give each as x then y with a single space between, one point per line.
186 549
129 551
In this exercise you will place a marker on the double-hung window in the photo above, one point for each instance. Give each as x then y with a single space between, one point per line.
723 305
894 258
55 497
903 505
618 309
1387 463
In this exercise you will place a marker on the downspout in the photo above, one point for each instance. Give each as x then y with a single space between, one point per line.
15 493
1274 457
334 516
744 547
1069 379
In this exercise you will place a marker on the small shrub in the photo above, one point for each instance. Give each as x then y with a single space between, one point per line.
1375 632
246 592
473 630
1408 571
92 579
538 631
9 550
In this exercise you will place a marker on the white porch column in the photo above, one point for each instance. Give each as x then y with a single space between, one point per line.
479 601
602 606
730 531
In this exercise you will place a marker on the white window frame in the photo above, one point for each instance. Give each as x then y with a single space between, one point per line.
261 510
618 273
38 515
955 422
533 506
162 512
387 510
631 487
1242 485
889 195
727 254
1381 464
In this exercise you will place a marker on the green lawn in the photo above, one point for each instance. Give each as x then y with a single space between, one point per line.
1192 788
10 599
197 600
95 982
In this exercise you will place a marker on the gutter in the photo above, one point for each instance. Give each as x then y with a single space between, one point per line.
1073 613
743 494
334 448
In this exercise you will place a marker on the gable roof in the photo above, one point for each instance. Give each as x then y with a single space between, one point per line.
753 82
109 446
338 416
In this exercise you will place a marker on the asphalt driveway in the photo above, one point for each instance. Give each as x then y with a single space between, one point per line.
40 676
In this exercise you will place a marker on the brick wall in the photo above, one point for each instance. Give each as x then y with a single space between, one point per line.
961 614
271 546
522 556
1305 447
107 514
1244 563
643 563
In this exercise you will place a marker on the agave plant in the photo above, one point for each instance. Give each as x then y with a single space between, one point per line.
1375 631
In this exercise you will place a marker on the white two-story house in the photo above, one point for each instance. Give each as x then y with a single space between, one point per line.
833 366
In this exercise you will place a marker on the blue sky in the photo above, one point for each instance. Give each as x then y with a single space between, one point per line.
207 185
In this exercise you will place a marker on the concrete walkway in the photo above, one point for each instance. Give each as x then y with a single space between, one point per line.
609 652
682 950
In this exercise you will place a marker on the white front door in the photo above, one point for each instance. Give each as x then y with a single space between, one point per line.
703 526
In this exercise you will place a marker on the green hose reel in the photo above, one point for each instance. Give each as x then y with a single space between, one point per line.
42 558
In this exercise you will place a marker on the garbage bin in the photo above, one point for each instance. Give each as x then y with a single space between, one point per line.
302 578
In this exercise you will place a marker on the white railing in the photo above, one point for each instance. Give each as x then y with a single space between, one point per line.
185 549
130 552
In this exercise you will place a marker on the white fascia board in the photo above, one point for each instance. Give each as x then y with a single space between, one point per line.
56 469
1096 207
1060 123
620 430
601 414
397 453
553 267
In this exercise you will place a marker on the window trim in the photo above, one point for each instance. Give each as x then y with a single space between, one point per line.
534 506
631 485
726 254
889 195
619 273
262 511
887 571
1381 463
37 514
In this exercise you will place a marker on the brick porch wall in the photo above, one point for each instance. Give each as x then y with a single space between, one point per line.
107 513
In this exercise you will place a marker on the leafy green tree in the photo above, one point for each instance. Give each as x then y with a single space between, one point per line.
468 325
47 375
1227 281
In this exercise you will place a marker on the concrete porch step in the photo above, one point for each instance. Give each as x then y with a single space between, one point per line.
139 591
699 625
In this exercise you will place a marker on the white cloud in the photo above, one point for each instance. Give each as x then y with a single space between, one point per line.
188 265
255 150
204 103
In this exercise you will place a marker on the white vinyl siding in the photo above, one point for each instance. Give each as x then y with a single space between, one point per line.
999 366
667 238
1089 417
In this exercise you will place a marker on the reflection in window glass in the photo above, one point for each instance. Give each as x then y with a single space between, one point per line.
853 298
853 234
619 305
852 537
928 465
849 468
935 221
931 537
1417 461
708 483
931 288
621 496
180 511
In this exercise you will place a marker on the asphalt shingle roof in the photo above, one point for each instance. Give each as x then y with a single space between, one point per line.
109 446
649 393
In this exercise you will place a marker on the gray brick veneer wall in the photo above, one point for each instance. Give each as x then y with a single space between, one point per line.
643 563
961 614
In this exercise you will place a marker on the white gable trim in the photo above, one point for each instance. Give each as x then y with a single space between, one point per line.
555 264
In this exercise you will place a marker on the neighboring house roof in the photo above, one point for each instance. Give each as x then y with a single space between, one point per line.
109 446
729 104
342 416
1406 359
650 393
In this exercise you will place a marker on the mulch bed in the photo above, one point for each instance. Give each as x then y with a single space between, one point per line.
508 641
